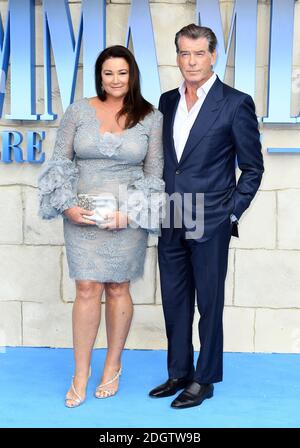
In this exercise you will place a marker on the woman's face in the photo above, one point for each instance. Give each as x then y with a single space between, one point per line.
115 77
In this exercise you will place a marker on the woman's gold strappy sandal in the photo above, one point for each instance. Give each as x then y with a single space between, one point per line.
105 390
78 400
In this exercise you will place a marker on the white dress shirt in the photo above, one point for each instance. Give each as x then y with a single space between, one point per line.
185 119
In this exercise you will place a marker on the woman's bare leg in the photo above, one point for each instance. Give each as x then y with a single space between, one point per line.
86 319
118 314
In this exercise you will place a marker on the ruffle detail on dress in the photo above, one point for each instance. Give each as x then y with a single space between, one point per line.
57 185
110 144
146 203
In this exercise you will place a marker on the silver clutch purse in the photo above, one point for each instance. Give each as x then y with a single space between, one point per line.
101 204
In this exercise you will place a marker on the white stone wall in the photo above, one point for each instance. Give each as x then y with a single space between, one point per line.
262 312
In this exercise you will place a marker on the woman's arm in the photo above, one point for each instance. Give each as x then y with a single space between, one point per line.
146 195
57 182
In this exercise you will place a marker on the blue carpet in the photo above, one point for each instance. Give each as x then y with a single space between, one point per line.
259 390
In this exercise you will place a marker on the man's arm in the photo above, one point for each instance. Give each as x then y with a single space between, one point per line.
249 157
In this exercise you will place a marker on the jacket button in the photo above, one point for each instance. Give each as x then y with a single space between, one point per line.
177 172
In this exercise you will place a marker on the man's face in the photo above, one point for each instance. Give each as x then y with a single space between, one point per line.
194 60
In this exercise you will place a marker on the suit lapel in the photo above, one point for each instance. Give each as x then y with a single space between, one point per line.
207 115
169 117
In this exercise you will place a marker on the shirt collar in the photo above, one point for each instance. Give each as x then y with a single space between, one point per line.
203 89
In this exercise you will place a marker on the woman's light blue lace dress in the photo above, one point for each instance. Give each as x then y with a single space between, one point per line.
86 161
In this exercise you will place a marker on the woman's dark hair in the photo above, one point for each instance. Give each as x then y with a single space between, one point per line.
135 107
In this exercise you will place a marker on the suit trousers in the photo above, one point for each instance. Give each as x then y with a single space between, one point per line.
188 267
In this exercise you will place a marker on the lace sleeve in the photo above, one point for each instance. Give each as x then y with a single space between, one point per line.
57 181
146 197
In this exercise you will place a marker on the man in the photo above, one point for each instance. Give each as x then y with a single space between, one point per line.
207 126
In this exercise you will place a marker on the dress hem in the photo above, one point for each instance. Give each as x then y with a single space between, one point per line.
106 280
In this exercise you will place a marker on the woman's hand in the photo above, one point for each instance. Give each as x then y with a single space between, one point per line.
115 220
75 215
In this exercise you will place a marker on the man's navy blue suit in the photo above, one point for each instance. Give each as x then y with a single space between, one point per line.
226 128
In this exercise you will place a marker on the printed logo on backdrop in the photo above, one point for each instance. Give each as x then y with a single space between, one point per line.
17 48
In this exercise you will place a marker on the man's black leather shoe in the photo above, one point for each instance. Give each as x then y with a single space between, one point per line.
170 387
193 395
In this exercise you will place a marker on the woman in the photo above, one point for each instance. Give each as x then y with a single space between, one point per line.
104 144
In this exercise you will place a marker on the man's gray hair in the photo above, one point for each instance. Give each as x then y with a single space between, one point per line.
193 31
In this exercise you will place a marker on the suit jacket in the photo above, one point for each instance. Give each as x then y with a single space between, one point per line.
225 129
